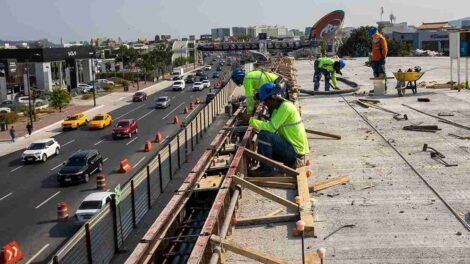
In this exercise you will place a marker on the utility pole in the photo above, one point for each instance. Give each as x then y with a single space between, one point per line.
30 106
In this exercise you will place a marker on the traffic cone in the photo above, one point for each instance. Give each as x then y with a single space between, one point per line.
148 146
62 212
185 111
101 182
191 106
176 120
158 138
198 100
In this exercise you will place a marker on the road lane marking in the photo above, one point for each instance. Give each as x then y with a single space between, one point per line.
37 254
191 112
127 144
146 114
105 159
173 97
129 112
71 141
6 196
138 162
99 142
47 200
17 168
173 110
57 166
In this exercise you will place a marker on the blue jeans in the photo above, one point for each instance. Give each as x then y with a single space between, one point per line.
274 147
378 67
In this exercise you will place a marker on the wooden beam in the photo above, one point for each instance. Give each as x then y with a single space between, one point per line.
262 192
310 131
248 252
363 104
370 101
277 185
270 162
267 219
329 183
312 258
275 212
306 214
271 179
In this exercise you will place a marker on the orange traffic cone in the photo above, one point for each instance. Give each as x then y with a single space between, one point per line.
158 138
191 106
62 212
176 120
148 146
198 100
185 111
101 182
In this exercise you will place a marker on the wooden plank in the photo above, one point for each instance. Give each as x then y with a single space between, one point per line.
312 257
270 162
275 212
264 193
267 219
306 214
381 78
310 131
271 179
371 101
248 252
363 104
277 185
209 182
329 183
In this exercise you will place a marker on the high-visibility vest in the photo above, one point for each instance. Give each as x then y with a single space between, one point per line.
252 82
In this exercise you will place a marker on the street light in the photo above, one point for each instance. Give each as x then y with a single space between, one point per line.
29 89
93 54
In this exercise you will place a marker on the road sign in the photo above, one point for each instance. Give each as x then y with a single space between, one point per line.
117 193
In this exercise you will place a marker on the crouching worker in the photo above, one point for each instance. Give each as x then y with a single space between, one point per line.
329 68
283 137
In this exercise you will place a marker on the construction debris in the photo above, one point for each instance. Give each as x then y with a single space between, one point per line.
329 183
459 137
422 128
437 156
310 131
426 100
337 230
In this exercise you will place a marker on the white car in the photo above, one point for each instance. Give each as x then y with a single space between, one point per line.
85 88
92 204
178 85
24 100
207 67
41 150
104 81
206 83
162 102
5 110
198 86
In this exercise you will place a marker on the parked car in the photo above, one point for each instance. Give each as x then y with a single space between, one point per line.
100 121
207 68
92 204
190 79
162 102
125 128
24 100
41 150
198 86
5 110
215 75
85 88
139 97
74 121
178 85
80 166
206 83
8 103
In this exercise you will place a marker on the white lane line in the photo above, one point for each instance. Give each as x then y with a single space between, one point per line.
129 112
57 166
173 110
105 159
173 97
17 168
4 197
127 144
37 254
146 114
138 162
65 144
99 142
191 112
47 200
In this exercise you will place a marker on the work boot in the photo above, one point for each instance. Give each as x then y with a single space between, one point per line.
299 162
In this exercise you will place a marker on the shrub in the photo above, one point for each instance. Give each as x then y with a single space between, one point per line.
9 118
87 96
59 98
108 87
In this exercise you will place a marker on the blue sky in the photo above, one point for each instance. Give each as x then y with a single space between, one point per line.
129 19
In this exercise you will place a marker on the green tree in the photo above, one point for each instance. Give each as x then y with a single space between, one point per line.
180 61
399 48
359 44
59 98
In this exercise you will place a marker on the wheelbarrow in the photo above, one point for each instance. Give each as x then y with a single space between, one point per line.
407 80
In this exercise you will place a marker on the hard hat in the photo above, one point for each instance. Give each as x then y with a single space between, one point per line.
238 76
342 64
266 91
371 31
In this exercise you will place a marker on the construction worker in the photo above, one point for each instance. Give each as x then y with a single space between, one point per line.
283 137
329 68
379 53
252 81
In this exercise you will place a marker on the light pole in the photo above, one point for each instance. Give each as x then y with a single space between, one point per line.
93 54
30 107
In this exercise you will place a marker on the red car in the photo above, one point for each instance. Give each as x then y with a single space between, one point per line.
139 97
125 128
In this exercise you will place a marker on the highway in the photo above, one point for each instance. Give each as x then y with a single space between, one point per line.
29 193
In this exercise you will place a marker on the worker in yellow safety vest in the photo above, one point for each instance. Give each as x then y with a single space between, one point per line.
329 68
252 81
283 137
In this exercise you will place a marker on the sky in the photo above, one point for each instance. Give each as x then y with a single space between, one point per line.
76 20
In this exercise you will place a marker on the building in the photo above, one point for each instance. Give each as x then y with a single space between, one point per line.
307 31
434 36
270 31
296 33
220 33
206 38
47 68
412 38
192 37
165 37
239 31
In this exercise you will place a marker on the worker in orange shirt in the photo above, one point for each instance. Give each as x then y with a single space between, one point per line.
379 53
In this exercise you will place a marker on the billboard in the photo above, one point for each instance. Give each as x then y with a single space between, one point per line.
327 26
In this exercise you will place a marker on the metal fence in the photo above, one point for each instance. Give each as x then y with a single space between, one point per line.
104 235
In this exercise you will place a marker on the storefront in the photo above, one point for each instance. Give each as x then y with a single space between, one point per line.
46 68
434 36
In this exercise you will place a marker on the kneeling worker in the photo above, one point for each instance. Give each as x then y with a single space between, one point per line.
283 138
329 68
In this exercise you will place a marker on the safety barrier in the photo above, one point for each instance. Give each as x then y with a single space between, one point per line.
104 235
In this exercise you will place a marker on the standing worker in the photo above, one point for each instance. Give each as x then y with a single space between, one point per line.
379 53
283 137
252 81
329 68
29 128
12 134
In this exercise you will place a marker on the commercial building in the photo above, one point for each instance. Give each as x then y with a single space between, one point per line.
239 31
270 31
434 36
307 31
220 33
48 67
192 37
206 38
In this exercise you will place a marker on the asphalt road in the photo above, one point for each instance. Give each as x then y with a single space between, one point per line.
29 193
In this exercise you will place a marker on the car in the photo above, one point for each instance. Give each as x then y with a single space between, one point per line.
219 68
198 86
199 73
190 79
85 88
178 85
177 78
210 95
8 103
207 68
125 128
24 100
74 121
215 75
4 110
100 121
41 150
203 77
104 81
139 97
80 166
162 102
206 83
91 205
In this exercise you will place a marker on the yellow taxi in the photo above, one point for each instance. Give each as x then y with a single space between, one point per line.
100 121
74 121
